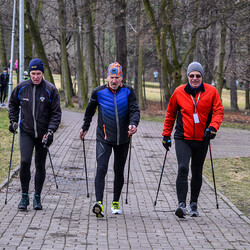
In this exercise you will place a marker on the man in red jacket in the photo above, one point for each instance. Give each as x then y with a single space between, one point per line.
197 109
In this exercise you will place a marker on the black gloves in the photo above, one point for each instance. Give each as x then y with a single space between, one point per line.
48 138
166 141
13 127
210 133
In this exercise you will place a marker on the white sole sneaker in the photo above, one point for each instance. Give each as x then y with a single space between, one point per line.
116 211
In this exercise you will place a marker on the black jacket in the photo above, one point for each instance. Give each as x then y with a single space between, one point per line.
116 111
39 116
4 79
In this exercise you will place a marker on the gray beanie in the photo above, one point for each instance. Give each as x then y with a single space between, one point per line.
195 66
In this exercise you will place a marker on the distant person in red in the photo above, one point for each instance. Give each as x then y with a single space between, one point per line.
197 109
16 66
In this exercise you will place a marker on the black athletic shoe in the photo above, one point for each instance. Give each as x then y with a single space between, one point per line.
98 209
181 210
37 205
24 202
193 209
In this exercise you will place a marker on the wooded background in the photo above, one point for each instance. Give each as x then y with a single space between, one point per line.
80 38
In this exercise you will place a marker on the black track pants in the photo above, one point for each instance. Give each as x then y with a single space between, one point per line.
27 144
196 151
103 152
3 92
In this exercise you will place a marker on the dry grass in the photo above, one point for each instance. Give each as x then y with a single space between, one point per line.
5 146
232 177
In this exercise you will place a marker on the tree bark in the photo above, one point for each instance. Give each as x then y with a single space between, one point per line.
27 40
82 100
233 78
65 76
3 58
35 34
90 43
221 57
140 74
120 36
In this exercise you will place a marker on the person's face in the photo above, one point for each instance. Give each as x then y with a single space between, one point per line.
5 71
114 81
195 79
36 76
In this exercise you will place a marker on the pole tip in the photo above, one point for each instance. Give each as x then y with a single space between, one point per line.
126 201
154 203
88 195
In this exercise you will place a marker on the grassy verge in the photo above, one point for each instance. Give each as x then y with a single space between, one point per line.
232 176
5 146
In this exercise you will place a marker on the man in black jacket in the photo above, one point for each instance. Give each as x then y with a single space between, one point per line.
4 80
118 118
39 104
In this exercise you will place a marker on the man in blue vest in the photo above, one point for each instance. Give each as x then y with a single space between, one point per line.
118 118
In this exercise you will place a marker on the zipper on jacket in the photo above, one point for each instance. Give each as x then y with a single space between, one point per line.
117 120
34 110
104 130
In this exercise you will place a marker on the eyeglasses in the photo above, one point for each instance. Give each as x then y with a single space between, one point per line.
197 76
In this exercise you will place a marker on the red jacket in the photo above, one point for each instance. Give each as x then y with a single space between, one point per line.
209 109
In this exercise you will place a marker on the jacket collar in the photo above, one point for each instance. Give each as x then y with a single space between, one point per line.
114 91
193 92
40 84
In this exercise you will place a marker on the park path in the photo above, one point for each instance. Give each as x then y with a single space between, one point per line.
66 222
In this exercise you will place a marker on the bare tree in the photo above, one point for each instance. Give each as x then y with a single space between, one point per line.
2 46
65 76
80 69
120 35
90 42
36 38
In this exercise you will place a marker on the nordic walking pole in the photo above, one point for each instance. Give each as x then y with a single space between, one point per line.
210 151
130 145
12 146
86 174
161 177
52 166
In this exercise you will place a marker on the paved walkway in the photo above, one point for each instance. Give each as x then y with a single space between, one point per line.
66 222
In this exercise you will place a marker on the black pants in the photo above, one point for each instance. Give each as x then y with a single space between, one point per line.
103 152
27 144
3 93
196 151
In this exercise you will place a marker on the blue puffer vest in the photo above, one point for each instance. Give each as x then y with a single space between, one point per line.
116 111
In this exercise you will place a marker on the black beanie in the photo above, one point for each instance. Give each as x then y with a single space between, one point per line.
36 64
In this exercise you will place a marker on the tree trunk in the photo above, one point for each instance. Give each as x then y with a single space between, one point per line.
247 105
221 57
120 36
136 50
65 76
90 43
233 77
82 101
27 41
140 74
211 54
3 58
35 34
